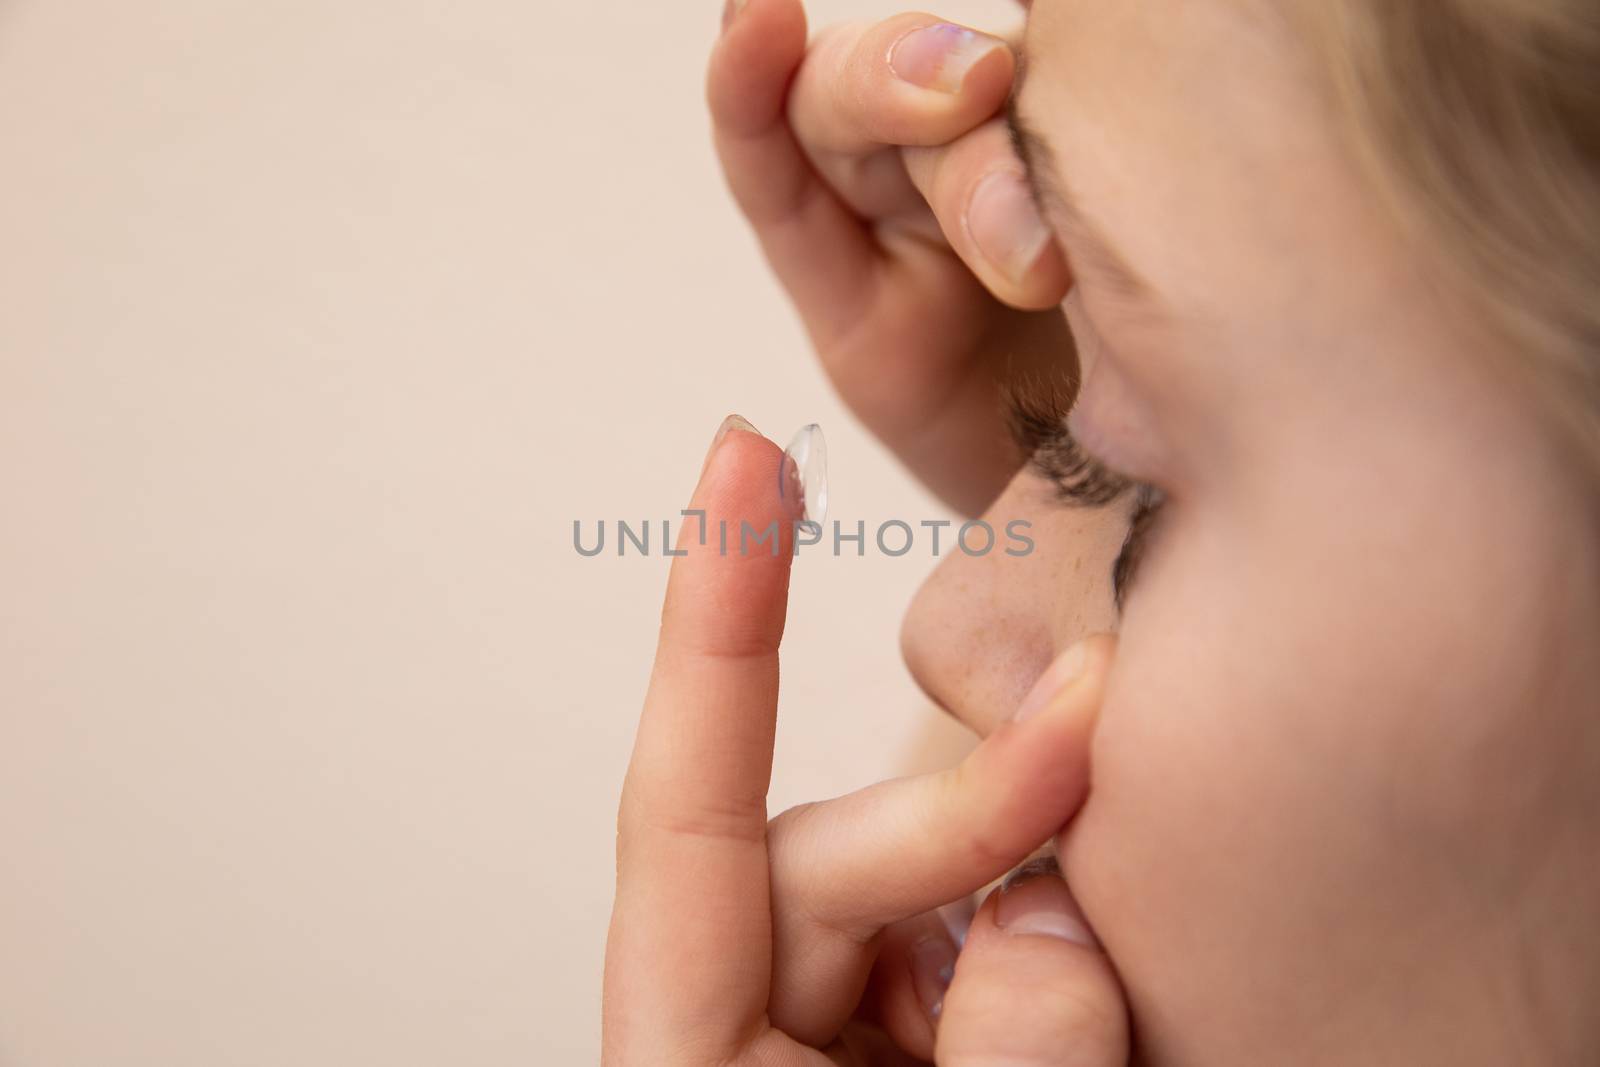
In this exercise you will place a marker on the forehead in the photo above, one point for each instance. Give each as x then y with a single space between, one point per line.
1190 130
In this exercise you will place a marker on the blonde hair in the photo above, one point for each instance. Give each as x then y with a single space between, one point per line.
1480 121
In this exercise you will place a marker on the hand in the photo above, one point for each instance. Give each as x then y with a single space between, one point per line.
738 941
898 218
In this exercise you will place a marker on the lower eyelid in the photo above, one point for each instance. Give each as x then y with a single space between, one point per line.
1040 426
1150 502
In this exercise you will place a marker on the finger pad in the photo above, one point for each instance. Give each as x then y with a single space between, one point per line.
728 595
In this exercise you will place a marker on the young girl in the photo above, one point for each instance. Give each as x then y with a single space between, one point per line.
1291 308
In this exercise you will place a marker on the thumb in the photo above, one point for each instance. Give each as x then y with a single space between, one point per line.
1031 985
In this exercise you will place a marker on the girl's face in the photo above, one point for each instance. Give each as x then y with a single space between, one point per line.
1347 777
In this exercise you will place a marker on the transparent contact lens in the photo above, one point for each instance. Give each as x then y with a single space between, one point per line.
804 473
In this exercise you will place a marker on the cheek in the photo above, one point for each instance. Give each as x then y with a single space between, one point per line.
1289 775
1221 835
984 627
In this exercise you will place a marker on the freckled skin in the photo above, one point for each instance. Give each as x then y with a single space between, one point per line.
970 606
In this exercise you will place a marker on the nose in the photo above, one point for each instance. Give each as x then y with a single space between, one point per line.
985 625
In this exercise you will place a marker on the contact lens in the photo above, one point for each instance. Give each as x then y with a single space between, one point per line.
804 473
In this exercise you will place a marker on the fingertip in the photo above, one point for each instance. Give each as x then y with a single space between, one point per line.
1073 679
1002 220
1032 774
1035 901
911 79
728 590
1031 984
1044 284
740 478
980 193
989 80
747 79
928 81
945 57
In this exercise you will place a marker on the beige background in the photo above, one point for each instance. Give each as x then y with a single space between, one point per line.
320 322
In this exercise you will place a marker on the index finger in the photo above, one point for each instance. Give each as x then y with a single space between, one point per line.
844 869
821 251
688 960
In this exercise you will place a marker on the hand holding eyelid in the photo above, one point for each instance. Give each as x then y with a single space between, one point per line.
854 108
919 274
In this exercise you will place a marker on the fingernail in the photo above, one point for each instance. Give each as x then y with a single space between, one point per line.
1037 867
731 424
1005 224
1035 900
1055 681
939 56
933 964
730 11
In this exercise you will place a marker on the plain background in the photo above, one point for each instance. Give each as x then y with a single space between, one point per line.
320 323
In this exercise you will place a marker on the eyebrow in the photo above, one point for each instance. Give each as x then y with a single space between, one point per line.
1048 188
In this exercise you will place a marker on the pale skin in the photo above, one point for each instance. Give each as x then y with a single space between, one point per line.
1332 793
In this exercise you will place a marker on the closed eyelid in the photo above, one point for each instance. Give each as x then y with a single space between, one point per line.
1036 415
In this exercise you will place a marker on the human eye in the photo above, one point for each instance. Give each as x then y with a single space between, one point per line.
1080 479
1146 511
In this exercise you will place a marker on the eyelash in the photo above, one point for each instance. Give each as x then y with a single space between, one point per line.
1082 480
1146 510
